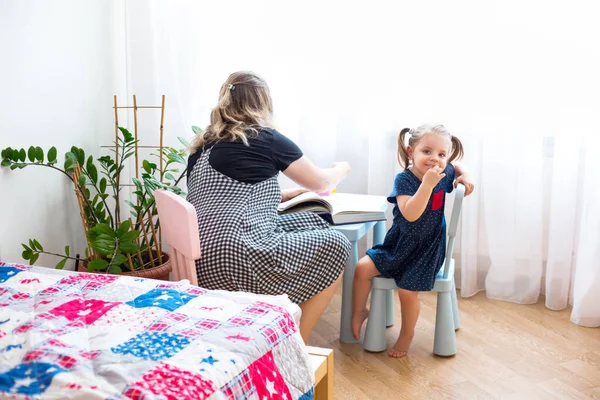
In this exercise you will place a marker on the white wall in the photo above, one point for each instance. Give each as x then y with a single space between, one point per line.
57 79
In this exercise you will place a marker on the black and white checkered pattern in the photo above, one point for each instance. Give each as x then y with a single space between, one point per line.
246 246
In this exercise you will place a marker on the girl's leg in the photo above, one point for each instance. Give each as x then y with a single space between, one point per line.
410 306
363 276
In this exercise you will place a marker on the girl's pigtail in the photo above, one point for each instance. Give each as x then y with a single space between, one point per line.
402 151
457 150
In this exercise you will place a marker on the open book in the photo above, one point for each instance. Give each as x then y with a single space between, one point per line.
338 208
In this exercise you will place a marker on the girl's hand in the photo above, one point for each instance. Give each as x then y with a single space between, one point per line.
433 176
465 179
291 193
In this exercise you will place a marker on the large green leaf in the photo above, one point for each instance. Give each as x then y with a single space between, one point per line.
38 245
119 259
90 161
67 251
22 155
103 185
130 204
61 264
104 229
123 228
196 129
39 154
79 155
128 247
6 153
6 162
70 161
175 157
114 270
138 184
15 155
183 141
52 155
146 166
33 258
31 153
81 180
96 265
129 236
104 245
126 135
92 172
26 254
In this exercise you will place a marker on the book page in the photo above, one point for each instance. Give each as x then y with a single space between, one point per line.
304 197
356 203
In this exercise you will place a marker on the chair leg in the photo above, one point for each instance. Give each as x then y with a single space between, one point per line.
389 301
444 341
455 306
375 333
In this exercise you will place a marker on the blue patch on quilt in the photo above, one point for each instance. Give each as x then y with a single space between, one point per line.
168 299
29 379
8 272
310 395
153 346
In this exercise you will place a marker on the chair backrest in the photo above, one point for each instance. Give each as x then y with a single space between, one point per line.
179 227
453 226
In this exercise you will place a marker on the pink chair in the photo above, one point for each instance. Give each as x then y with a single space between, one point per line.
179 226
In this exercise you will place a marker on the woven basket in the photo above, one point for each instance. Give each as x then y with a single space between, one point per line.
160 272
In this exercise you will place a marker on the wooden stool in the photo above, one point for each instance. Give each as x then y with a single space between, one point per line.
322 362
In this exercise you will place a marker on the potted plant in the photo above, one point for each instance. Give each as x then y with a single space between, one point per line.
115 244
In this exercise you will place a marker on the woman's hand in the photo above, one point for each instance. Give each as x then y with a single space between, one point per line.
343 166
466 180
291 193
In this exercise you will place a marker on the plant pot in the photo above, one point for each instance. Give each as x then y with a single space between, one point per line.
160 272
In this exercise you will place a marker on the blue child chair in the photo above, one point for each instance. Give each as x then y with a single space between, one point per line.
446 319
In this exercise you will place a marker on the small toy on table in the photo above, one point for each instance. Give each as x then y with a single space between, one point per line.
328 193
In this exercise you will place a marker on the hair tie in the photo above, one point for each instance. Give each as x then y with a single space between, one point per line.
231 87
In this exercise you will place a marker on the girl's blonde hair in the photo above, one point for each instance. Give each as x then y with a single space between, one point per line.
244 107
415 135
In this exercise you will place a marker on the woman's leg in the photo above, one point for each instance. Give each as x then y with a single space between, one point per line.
314 307
410 306
363 277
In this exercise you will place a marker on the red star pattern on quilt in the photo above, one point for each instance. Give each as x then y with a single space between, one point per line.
267 379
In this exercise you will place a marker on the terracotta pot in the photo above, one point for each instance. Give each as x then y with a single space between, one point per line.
160 272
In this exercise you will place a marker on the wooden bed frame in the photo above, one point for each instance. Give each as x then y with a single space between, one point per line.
322 362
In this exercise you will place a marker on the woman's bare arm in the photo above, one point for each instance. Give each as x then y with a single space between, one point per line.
308 175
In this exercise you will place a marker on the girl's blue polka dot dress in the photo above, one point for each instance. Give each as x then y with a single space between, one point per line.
413 252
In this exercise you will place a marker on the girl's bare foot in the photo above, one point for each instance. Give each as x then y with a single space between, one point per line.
400 349
358 318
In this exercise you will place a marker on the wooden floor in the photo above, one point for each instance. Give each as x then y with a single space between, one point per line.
505 351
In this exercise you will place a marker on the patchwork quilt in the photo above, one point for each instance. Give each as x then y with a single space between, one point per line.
70 335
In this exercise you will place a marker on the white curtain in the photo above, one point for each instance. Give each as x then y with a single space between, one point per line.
517 81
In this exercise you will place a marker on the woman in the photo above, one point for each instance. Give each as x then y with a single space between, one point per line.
232 183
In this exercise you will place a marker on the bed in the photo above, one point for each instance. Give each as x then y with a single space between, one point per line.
73 335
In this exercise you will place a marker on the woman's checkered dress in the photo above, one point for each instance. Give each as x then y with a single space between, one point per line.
246 246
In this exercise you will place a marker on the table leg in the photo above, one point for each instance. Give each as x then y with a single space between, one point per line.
346 320
378 237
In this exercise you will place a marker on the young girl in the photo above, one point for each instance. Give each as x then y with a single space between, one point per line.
413 250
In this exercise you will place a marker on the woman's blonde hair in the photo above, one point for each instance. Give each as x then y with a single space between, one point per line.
456 152
244 107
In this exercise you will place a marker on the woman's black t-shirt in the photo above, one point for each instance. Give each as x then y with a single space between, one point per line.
267 154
